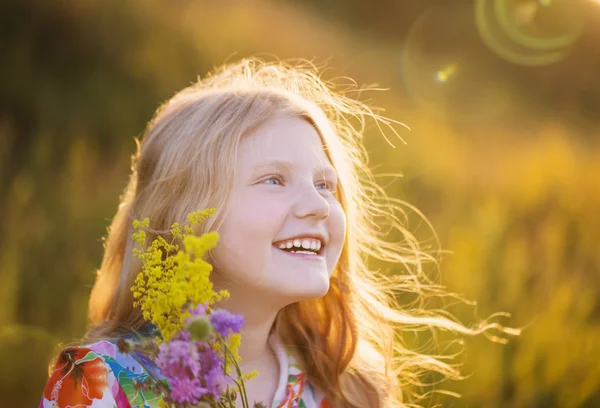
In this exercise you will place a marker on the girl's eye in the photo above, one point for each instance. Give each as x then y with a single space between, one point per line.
327 186
277 179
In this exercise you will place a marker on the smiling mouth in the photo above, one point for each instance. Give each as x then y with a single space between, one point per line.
304 253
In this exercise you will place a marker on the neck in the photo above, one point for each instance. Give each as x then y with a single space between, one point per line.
255 349
256 352
258 320
259 311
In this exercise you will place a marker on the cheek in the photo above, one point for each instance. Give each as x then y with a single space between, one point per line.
336 225
246 237
338 221
255 221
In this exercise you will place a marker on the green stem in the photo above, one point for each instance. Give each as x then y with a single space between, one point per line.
240 385
242 389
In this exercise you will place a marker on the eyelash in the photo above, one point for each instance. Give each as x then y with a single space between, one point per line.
280 179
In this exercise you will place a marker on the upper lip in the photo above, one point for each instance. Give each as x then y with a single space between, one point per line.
316 235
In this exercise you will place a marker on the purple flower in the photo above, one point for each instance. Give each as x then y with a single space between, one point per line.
199 310
212 372
186 390
217 381
183 335
178 358
193 368
223 321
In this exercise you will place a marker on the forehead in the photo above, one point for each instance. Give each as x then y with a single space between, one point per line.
284 138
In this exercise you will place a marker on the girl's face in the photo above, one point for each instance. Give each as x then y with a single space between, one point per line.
283 196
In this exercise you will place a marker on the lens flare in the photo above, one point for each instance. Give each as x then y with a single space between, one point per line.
529 32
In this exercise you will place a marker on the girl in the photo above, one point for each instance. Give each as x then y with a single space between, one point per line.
272 148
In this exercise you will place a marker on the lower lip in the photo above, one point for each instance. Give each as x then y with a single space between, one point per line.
308 257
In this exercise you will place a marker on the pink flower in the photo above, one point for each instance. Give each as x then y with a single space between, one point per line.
186 390
178 358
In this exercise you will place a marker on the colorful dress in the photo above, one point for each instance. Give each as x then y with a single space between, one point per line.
99 376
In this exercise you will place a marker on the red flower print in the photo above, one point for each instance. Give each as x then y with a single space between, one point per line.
293 391
325 403
74 382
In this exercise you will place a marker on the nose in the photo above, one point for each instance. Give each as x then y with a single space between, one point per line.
310 203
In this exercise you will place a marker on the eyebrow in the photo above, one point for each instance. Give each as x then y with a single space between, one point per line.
288 166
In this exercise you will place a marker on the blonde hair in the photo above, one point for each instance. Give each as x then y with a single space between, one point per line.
350 340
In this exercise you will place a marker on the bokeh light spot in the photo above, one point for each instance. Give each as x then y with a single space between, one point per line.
443 75
445 70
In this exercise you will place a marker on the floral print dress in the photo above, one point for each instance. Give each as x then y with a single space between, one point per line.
99 376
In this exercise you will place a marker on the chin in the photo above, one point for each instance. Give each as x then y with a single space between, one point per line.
314 291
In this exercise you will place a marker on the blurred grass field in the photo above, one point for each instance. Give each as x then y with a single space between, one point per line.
503 159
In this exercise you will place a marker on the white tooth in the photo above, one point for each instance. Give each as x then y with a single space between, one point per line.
306 244
281 246
289 244
313 245
318 245
297 243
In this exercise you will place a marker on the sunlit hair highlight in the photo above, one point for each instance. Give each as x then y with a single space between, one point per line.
350 341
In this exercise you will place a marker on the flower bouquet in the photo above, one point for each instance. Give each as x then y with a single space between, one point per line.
196 346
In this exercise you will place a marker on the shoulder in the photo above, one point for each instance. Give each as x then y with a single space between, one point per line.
96 375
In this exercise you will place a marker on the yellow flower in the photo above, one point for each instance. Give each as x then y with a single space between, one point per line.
234 344
163 404
172 278
250 375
